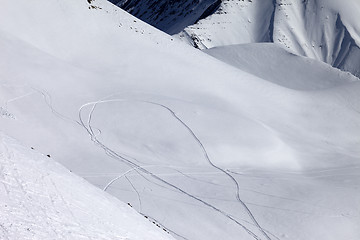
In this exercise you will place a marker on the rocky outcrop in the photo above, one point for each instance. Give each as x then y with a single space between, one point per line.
170 16
311 28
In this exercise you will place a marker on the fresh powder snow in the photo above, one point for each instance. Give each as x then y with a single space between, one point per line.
238 142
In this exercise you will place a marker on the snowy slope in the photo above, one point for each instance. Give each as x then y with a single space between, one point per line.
235 22
40 199
281 67
324 30
206 149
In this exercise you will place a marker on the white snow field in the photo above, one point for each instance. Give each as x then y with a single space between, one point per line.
40 199
204 149
281 67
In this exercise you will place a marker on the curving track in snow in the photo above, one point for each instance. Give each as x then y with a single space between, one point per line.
135 166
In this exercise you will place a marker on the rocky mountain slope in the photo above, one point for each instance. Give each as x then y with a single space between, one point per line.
319 29
324 30
169 16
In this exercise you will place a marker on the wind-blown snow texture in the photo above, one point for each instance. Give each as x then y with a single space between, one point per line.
203 148
40 199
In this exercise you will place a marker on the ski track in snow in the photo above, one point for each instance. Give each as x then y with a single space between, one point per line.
137 193
164 227
138 167
34 55
126 159
179 173
40 199
154 221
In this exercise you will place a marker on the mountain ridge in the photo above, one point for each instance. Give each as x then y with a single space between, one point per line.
165 14
313 29
199 146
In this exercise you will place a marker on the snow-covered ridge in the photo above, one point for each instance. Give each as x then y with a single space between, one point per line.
40 199
283 68
169 16
320 29
235 22
208 150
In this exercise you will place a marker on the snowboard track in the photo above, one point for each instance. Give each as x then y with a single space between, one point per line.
126 159
130 163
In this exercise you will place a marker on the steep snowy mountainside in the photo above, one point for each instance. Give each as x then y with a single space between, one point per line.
324 30
320 29
80 21
235 22
203 149
282 67
40 199
316 29
169 16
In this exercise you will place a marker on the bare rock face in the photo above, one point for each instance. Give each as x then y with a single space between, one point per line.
170 16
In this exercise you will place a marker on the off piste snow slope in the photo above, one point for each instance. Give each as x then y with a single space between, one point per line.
41 199
201 148
325 30
281 67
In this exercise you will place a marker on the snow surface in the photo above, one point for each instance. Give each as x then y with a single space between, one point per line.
324 30
235 22
204 149
281 67
40 199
